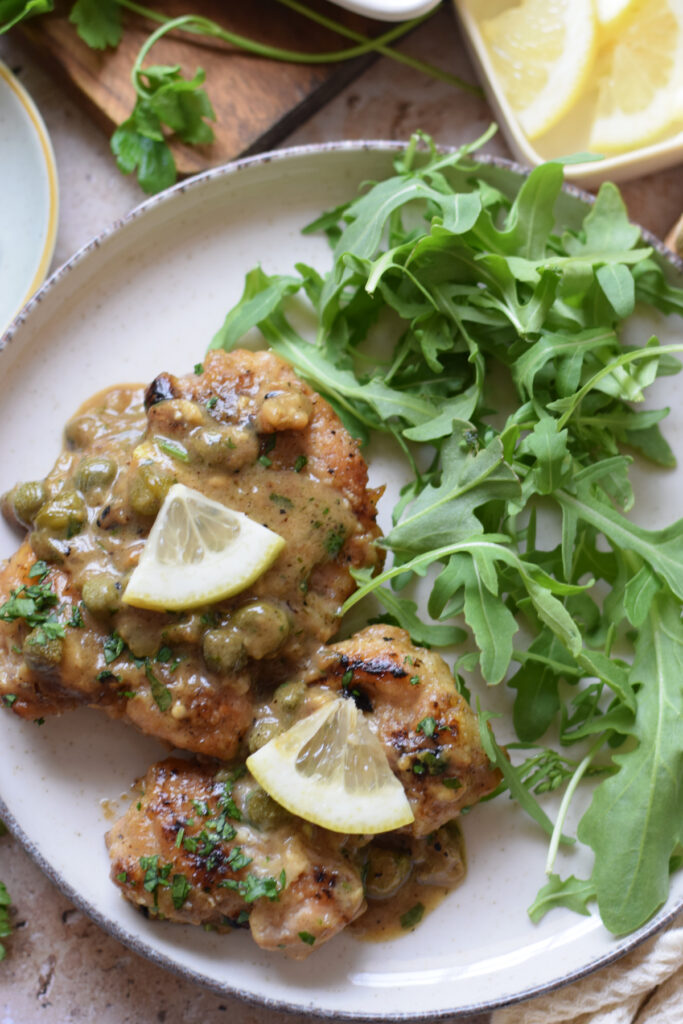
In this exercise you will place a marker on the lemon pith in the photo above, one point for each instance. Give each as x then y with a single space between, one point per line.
331 770
199 552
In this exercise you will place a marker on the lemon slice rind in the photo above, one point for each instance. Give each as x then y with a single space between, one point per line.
199 552
358 802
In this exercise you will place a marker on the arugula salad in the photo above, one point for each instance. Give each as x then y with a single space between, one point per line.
486 339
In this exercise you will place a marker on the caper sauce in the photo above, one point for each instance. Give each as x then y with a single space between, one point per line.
88 521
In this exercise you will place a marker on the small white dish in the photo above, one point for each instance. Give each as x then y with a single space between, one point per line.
571 134
388 10
28 197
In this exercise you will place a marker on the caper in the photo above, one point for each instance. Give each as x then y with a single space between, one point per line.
45 546
102 594
188 630
263 627
223 649
42 653
63 516
24 501
148 488
232 447
82 430
96 471
263 812
289 696
387 871
261 733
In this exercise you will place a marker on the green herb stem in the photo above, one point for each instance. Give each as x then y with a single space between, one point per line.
583 767
204 26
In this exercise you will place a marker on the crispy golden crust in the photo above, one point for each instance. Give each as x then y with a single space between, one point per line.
182 814
428 731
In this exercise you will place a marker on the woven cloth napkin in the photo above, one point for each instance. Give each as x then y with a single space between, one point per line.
644 987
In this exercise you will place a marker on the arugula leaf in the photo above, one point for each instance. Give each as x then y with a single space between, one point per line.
573 893
444 514
458 317
633 822
98 22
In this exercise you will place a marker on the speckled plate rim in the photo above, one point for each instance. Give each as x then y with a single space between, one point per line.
47 151
660 920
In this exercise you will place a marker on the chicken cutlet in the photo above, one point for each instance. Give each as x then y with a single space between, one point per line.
243 430
429 732
206 846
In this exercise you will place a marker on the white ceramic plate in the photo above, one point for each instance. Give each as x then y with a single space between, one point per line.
28 197
147 297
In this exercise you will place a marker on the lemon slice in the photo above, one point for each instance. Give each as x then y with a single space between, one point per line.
542 51
199 552
331 769
640 88
611 12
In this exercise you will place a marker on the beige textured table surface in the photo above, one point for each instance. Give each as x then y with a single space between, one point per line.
62 967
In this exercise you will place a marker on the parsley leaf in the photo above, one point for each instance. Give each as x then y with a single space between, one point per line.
98 22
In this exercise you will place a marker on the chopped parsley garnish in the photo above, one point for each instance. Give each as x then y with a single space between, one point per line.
301 461
254 888
114 646
334 541
265 461
9 699
347 677
39 571
34 604
163 655
122 877
173 448
414 680
427 726
237 859
198 368
179 837
160 693
429 763
201 807
39 721
282 500
212 402
155 876
412 916
106 674
180 890
307 938
451 783
76 620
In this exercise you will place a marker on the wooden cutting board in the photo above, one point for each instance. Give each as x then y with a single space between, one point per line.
257 100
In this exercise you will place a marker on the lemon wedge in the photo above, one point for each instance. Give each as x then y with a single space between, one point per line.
331 769
640 84
198 552
542 52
